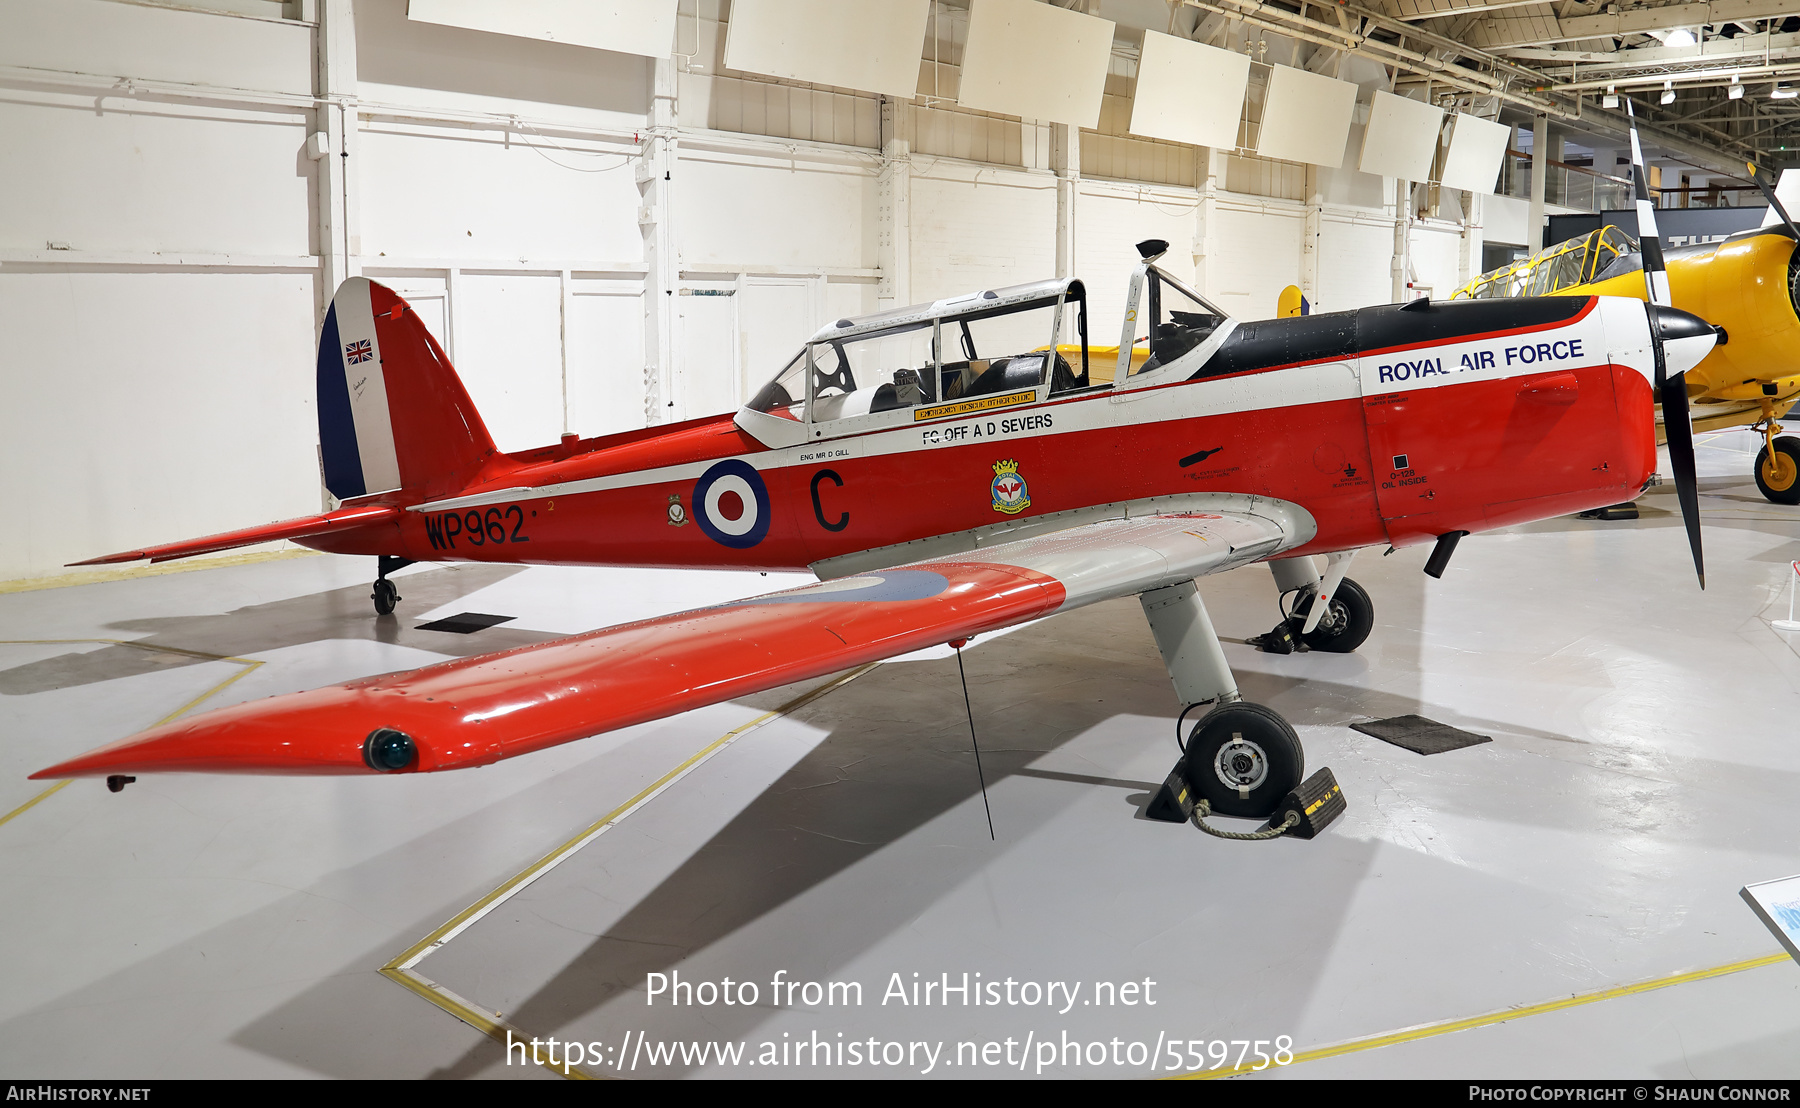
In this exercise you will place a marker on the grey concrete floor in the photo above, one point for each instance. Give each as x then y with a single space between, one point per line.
1644 766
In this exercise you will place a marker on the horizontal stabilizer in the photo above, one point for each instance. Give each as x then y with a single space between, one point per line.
344 519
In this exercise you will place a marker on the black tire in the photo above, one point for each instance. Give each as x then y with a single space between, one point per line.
1253 745
385 597
1346 624
1779 486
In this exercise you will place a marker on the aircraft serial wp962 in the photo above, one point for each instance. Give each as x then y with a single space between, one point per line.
947 470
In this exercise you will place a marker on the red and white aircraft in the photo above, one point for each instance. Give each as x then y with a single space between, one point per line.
946 470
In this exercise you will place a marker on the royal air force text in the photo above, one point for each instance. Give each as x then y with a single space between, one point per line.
1561 350
993 428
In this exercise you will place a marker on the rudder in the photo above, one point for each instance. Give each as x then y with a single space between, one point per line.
393 415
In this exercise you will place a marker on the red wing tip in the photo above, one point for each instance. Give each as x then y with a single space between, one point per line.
110 559
57 772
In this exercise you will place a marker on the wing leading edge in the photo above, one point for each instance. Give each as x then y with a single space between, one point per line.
475 711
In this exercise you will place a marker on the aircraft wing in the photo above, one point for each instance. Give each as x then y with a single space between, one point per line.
475 711
344 519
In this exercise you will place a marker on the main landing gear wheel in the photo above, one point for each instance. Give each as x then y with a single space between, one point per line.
1243 758
1778 471
1346 624
385 597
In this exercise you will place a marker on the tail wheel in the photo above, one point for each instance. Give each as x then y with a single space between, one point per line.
1243 758
1778 471
385 596
1348 619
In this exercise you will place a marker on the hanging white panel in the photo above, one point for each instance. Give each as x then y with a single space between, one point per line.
1401 138
1189 92
1031 60
862 44
1477 147
1306 117
645 27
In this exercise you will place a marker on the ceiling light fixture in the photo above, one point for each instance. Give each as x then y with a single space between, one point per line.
1783 92
1736 91
1611 99
1668 93
1680 36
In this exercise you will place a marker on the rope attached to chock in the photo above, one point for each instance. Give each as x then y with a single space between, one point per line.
1204 809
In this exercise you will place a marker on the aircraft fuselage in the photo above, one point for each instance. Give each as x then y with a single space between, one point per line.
1507 411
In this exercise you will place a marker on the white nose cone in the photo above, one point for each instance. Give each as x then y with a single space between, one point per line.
1687 339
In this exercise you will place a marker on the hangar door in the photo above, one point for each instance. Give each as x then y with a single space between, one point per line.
605 386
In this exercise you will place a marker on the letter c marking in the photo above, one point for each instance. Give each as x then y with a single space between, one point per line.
843 520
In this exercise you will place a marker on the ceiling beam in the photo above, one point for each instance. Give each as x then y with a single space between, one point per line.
1713 50
1504 32
1417 11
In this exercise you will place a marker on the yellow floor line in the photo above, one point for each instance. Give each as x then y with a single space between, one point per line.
248 664
401 968
45 795
1505 1015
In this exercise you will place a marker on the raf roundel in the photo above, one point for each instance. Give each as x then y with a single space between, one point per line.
731 504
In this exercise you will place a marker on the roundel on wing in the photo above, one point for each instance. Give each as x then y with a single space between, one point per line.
731 504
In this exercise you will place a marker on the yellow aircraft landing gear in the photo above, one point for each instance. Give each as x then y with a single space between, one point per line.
1778 462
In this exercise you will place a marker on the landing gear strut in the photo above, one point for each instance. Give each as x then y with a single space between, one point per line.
386 595
1243 758
1778 462
1336 624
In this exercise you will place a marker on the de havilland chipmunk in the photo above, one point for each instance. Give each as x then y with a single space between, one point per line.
947 470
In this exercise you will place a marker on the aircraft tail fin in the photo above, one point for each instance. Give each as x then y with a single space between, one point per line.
1291 303
393 415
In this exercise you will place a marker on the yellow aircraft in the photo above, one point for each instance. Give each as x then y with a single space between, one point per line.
1747 285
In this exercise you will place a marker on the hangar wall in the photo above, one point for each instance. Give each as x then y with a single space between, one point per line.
165 254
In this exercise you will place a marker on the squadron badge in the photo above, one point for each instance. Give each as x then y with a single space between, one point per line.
677 514
1010 492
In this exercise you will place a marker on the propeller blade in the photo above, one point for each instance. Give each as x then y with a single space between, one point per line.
1769 195
1656 277
1671 389
1679 430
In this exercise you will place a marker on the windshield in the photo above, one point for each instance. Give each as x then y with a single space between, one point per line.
785 395
1170 322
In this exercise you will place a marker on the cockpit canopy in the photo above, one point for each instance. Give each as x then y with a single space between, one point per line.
983 351
1001 341
1594 256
